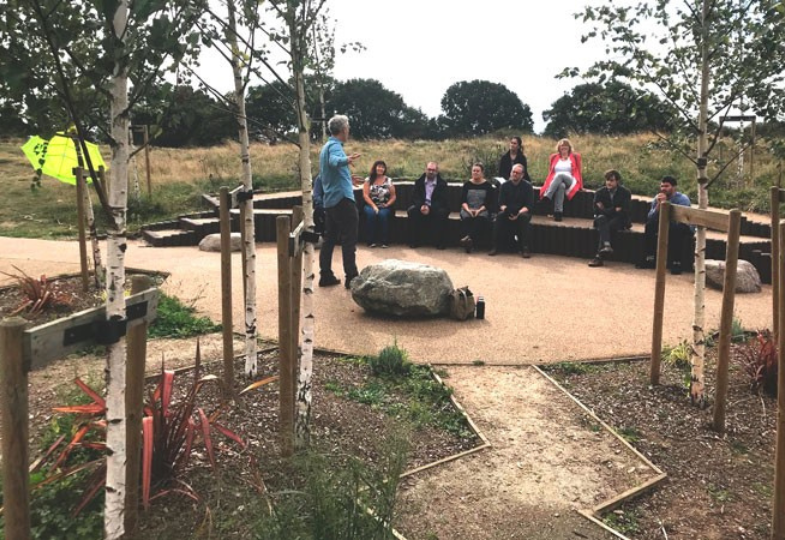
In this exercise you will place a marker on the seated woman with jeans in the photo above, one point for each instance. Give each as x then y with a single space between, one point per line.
379 195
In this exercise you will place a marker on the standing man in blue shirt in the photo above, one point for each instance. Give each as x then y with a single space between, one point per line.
678 234
339 203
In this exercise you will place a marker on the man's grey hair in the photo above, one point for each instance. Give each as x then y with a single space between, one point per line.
337 123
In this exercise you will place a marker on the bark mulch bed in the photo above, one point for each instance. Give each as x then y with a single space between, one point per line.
719 486
342 426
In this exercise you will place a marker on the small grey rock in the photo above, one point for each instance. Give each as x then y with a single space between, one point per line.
212 242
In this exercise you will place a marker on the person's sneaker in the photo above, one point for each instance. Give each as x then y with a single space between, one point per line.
676 268
348 281
526 254
595 262
606 249
558 216
328 280
647 264
468 245
385 246
372 245
493 252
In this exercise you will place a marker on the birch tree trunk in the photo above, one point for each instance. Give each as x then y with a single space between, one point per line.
305 353
115 299
698 353
324 114
249 272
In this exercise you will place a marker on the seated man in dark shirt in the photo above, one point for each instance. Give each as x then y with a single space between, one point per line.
611 213
429 208
516 202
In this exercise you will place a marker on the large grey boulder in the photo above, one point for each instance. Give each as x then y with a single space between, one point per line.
747 277
212 242
403 289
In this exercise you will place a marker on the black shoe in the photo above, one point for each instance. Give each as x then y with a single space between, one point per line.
328 280
675 268
596 261
606 250
413 245
348 281
648 263
493 252
558 216
525 253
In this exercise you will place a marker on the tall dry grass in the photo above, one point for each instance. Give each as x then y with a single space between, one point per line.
180 176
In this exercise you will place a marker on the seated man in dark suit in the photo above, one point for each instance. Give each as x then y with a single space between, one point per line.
429 209
516 202
611 213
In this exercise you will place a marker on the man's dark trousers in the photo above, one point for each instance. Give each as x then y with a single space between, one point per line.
504 229
605 226
419 223
677 235
342 223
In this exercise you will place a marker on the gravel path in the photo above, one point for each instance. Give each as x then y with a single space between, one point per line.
545 309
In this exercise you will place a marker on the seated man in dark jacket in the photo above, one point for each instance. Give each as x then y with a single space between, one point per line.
611 213
429 209
516 203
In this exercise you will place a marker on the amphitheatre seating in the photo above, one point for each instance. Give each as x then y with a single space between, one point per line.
573 237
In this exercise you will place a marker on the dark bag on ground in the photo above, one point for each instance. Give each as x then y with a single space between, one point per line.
461 304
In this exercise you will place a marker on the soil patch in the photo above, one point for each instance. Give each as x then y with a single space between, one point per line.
719 486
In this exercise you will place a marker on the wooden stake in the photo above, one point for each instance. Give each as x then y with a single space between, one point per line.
297 285
146 142
136 358
659 290
778 520
286 370
726 320
14 416
775 258
80 218
226 292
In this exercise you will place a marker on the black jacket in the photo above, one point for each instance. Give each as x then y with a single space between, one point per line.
622 199
505 165
516 197
438 198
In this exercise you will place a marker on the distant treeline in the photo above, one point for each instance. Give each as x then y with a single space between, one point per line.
184 116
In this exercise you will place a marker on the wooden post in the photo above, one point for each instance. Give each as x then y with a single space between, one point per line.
285 368
146 142
778 520
226 292
14 417
297 285
726 320
80 218
775 258
659 290
136 355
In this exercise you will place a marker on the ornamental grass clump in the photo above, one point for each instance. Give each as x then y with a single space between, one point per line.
391 361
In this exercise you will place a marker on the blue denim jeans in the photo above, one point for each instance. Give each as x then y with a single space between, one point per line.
377 223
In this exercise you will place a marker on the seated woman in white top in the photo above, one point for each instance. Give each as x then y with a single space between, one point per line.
564 177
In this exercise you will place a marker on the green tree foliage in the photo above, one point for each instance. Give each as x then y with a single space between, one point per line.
376 112
184 116
613 108
480 107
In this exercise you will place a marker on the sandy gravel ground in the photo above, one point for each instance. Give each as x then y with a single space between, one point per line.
537 473
545 309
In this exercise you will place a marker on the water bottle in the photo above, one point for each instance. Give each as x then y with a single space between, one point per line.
480 307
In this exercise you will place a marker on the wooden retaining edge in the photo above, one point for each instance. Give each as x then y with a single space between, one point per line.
603 360
630 494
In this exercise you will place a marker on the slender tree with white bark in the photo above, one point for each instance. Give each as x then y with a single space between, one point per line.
703 57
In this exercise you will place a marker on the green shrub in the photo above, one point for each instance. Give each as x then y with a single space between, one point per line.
678 356
177 320
391 361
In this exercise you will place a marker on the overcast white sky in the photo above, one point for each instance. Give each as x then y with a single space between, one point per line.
418 48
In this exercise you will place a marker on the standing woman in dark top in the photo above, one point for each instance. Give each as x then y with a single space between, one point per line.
514 156
477 201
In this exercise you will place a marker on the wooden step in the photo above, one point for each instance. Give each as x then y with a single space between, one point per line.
170 237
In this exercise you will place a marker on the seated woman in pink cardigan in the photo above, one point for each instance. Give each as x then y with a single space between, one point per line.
564 177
